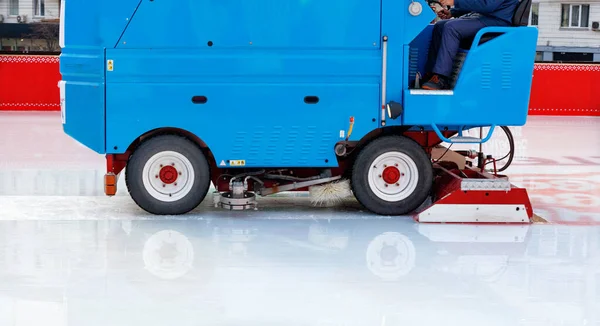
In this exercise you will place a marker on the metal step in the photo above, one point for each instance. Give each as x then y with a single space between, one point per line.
485 184
465 139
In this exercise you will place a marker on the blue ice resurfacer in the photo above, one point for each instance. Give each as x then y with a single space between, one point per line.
263 96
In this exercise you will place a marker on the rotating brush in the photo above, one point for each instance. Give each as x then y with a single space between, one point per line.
330 194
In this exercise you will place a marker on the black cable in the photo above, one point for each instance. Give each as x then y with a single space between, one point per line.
511 152
446 152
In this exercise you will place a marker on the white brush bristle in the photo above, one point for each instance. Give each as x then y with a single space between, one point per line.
330 194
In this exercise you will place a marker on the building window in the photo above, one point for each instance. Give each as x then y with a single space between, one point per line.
39 8
13 7
575 16
534 14
573 57
539 56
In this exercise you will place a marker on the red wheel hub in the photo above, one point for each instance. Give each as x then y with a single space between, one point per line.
391 175
168 174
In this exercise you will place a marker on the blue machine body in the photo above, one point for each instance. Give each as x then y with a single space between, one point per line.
237 74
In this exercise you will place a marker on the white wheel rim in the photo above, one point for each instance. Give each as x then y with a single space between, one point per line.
406 183
161 185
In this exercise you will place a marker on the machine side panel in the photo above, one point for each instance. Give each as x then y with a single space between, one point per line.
97 24
82 64
417 53
82 96
243 65
264 124
299 24
256 101
86 126
493 87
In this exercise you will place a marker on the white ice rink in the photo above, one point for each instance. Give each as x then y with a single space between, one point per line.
71 256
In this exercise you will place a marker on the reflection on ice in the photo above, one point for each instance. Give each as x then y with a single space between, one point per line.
228 271
391 255
168 254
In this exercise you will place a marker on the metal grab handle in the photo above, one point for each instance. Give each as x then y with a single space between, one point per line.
485 30
463 140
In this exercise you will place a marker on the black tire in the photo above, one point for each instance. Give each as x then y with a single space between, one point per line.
181 200
410 196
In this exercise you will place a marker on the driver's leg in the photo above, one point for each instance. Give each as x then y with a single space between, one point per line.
452 33
434 47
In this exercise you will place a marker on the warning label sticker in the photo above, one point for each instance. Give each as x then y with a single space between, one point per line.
237 162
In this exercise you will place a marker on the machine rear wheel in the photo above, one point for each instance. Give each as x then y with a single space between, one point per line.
168 175
392 176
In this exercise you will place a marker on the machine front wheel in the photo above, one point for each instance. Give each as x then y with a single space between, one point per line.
392 176
168 175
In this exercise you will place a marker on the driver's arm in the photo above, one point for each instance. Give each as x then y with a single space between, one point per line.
480 6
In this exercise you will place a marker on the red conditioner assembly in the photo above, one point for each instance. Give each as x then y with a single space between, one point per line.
471 196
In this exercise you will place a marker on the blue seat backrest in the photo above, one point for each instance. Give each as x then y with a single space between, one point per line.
521 16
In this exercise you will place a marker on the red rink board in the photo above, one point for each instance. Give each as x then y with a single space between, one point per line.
29 83
565 89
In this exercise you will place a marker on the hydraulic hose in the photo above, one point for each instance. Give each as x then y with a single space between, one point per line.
511 153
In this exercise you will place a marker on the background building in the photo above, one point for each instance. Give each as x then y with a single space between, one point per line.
569 30
29 25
